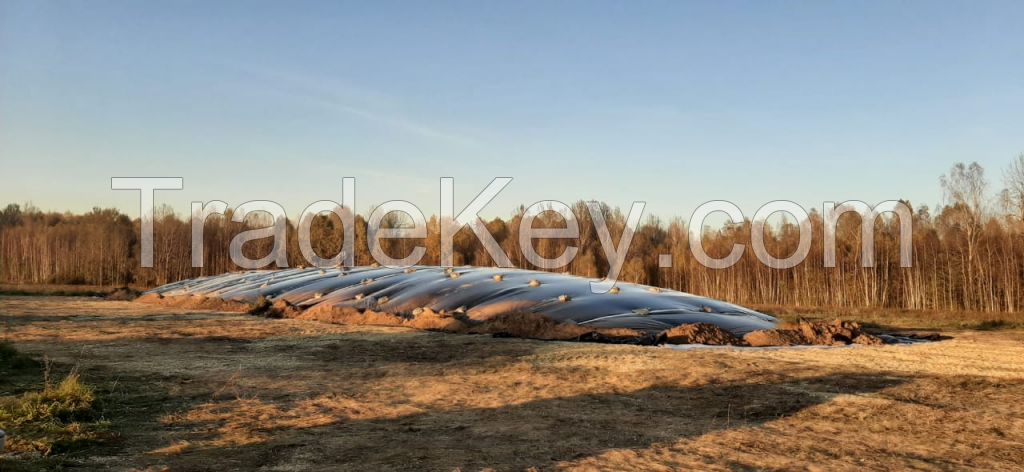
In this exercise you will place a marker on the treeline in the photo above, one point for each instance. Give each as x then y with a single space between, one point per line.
968 253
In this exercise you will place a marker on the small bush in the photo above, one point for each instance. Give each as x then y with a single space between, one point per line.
66 402
58 418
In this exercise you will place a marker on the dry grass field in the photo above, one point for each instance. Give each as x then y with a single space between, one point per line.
200 390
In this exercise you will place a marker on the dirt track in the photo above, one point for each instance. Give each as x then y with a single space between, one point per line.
195 390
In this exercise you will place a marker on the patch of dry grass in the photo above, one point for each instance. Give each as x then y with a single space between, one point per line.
61 417
50 290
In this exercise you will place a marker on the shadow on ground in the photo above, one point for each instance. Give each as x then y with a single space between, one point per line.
533 434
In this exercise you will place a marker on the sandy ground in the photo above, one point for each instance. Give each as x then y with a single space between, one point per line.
195 390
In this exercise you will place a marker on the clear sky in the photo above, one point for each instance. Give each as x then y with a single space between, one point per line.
674 103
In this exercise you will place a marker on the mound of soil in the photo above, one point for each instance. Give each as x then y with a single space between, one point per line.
348 315
535 326
196 302
517 325
701 333
430 320
822 333
425 319
774 337
278 309
151 298
836 332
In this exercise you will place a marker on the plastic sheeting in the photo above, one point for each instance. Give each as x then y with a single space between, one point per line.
477 293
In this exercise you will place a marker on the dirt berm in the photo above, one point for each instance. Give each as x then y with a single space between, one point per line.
533 326
804 332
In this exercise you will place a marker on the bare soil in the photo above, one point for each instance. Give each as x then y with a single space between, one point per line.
813 332
701 333
191 389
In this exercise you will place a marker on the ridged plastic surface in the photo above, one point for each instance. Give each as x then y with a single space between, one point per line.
477 292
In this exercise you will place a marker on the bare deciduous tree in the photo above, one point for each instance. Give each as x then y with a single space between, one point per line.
1013 178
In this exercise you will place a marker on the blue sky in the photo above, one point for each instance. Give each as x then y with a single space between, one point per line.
672 103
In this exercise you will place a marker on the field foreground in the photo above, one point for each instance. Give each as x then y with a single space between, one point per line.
202 390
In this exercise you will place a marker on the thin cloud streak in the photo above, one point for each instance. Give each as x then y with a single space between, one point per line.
369 105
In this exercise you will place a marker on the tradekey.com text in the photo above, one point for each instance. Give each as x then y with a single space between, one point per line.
451 223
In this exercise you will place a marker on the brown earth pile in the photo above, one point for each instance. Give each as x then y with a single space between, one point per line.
430 320
278 309
804 332
151 298
518 325
348 315
534 326
196 302
774 337
701 333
